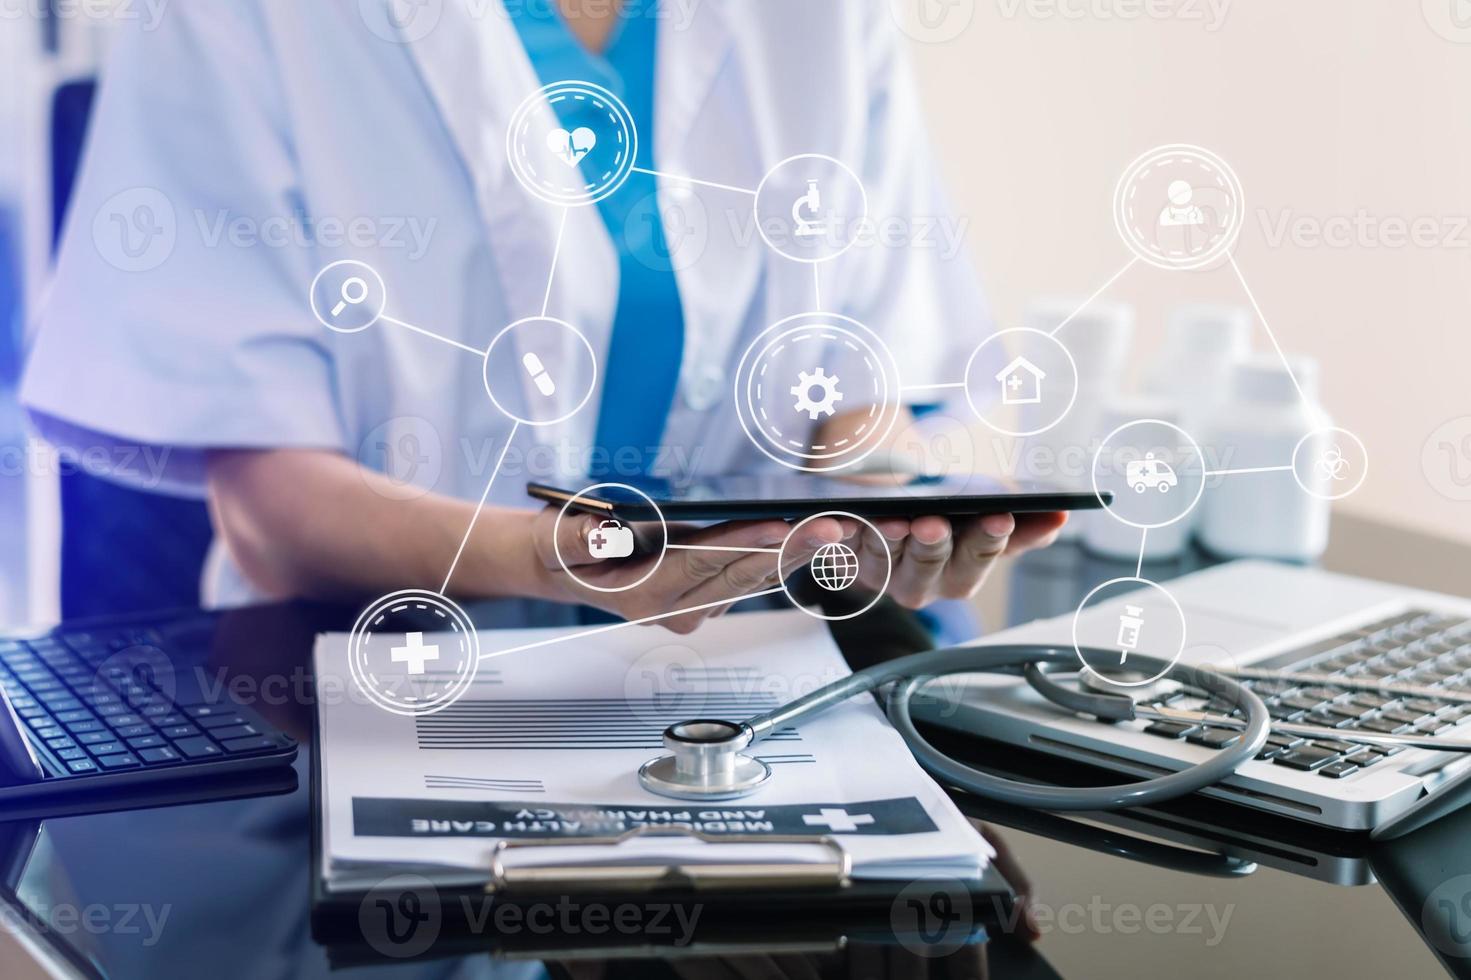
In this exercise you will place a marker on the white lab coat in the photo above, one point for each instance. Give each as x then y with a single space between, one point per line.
233 117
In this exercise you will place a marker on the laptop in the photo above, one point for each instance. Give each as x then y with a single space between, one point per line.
1274 617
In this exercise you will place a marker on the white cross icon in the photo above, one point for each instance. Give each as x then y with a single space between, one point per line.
1014 382
414 653
838 821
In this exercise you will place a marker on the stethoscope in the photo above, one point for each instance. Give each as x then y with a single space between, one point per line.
707 759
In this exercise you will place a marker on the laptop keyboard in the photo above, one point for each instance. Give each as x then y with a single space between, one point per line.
1417 647
110 701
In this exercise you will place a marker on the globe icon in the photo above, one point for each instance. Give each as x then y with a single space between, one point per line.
834 567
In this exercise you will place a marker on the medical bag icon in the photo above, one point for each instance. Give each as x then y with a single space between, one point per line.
610 539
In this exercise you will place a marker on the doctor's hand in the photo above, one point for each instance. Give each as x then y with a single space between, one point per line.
942 558
710 569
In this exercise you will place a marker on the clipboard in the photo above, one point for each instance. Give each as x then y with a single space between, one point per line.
813 907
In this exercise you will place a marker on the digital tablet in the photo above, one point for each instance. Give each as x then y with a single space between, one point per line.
793 496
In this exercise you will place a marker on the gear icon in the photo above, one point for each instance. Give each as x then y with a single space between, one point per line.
824 405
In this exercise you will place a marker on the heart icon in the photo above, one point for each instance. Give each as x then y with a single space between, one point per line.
571 147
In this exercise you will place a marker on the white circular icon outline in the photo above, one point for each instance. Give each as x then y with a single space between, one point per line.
1001 429
547 97
440 605
888 378
852 237
814 612
382 303
1199 490
1179 611
485 366
1122 197
1363 453
557 538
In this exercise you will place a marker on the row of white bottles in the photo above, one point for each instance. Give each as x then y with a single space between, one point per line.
1245 410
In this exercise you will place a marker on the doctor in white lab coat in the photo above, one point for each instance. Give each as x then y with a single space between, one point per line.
239 147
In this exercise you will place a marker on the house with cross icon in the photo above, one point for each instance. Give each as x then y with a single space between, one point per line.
1021 382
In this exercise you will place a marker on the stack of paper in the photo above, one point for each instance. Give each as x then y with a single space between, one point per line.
546 745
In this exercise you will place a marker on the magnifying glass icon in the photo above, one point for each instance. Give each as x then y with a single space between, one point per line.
354 291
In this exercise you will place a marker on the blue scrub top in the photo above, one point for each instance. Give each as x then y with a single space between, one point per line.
641 369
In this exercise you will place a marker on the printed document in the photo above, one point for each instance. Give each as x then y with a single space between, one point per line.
547 742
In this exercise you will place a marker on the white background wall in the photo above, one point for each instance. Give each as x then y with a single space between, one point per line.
1326 109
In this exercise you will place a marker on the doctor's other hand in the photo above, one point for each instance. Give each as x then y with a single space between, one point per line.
712 567
945 558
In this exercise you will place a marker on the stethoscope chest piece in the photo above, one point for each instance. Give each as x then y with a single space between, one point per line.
705 763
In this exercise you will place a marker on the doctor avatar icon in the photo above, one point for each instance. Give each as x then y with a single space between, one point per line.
1179 207
810 208
413 652
610 539
834 567
571 143
348 296
1021 382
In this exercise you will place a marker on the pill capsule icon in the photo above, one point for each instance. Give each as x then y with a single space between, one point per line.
539 375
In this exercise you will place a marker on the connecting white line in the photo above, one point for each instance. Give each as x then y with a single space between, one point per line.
721 547
546 299
816 286
692 180
443 589
1139 566
430 333
1096 293
934 387
1249 469
1265 325
632 622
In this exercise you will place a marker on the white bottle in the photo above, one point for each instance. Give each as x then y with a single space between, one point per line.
1266 514
1203 344
1098 338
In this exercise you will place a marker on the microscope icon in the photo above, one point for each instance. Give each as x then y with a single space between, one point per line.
808 204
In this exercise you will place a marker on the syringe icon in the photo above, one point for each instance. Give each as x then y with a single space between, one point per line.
1130 622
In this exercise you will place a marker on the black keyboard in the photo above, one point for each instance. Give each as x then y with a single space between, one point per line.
1425 649
114 702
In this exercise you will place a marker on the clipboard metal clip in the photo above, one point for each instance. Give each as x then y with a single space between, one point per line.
693 875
